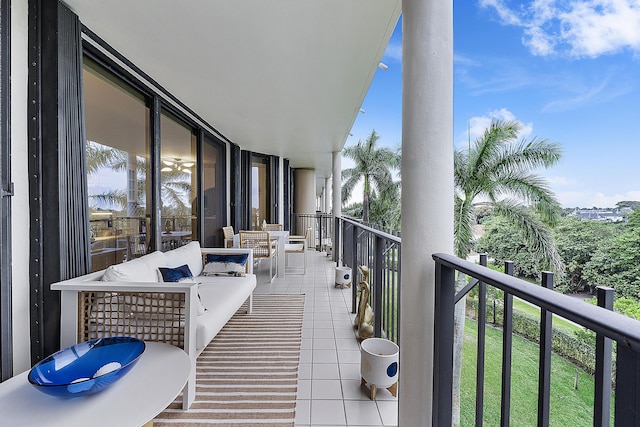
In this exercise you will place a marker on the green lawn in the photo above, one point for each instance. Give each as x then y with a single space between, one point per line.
569 407
558 322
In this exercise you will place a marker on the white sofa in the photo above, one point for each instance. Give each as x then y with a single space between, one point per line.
131 299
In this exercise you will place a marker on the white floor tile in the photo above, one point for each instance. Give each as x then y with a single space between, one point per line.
328 412
329 390
325 371
362 412
325 356
324 344
349 371
304 389
326 389
349 356
353 390
388 412
303 412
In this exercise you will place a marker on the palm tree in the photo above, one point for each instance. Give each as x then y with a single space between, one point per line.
497 171
373 165
174 184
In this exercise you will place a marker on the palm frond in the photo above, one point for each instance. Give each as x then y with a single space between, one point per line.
538 236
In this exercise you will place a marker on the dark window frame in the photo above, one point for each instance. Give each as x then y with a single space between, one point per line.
6 190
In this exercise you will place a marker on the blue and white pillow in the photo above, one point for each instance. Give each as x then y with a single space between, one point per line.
225 265
181 274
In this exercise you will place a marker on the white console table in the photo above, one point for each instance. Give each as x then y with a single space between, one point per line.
132 401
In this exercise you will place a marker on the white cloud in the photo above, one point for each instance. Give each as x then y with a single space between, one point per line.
478 124
609 88
572 199
587 28
394 51
561 181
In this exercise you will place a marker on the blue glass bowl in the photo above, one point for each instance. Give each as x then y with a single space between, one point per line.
86 368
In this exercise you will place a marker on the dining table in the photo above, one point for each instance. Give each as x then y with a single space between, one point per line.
282 239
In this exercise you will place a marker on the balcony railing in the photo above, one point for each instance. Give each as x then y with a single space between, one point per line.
607 325
379 250
321 225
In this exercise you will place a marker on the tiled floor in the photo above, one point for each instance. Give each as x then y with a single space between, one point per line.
329 391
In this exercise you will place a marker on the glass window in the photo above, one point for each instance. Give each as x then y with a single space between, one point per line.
260 192
178 190
117 151
214 194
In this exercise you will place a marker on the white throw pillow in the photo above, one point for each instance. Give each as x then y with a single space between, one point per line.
130 271
189 254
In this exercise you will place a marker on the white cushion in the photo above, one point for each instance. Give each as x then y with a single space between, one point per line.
154 260
135 270
222 296
189 254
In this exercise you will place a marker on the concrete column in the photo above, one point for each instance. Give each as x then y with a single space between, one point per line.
327 197
20 222
336 193
336 189
305 191
427 191
304 202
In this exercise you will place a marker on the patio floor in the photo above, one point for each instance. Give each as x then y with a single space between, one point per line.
329 391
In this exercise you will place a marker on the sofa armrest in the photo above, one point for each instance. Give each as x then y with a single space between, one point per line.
232 251
76 294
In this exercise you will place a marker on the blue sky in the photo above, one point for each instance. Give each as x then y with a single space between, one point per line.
568 70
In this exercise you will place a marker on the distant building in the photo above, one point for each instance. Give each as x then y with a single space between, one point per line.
600 215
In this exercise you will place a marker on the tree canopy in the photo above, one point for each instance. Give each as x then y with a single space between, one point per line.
374 167
497 170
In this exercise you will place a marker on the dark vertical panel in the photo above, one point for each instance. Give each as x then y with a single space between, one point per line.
443 345
627 402
507 341
604 346
59 241
544 370
245 194
235 196
154 222
214 200
286 195
480 358
198 203
274 170
6 189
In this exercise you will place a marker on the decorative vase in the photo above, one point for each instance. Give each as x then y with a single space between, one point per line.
343 277
379 365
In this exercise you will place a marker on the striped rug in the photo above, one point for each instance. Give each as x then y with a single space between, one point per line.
248 374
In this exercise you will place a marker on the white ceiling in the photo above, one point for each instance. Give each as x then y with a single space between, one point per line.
281 77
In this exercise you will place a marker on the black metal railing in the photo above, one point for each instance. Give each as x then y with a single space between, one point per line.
321 225
607 325
380 251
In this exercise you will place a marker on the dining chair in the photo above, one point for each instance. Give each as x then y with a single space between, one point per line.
261 244
297 245
273 227
228 236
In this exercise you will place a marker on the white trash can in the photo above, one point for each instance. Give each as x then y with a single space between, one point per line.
343 277
379 365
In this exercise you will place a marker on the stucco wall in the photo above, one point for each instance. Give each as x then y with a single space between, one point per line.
19 176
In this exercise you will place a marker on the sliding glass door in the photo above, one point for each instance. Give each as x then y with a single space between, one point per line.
214 203
178 185
118 168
